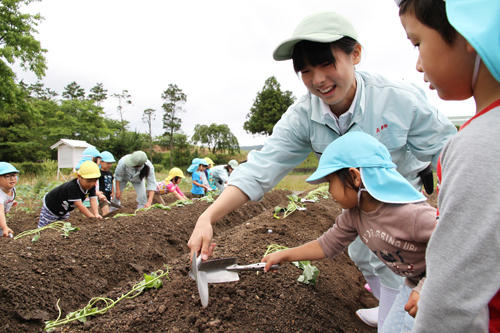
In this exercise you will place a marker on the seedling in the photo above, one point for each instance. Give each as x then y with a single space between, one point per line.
64 227
314 195
310 274
150 281
293 205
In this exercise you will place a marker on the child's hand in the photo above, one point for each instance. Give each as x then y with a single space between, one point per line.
274 258
411 306
14 204
98 216
6 232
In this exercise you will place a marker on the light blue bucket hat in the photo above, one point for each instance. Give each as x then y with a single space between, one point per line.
196 163
6 168
107 157
378 172
87 155
479 22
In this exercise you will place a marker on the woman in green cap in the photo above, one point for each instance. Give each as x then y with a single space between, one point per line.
136 168
325 50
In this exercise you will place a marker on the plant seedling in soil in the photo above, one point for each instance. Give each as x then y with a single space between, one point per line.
310 274
64 227
314 195
293 205
150 281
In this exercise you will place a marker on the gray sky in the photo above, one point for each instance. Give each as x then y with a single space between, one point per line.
218 52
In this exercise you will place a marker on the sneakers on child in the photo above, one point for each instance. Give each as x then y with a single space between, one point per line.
368 316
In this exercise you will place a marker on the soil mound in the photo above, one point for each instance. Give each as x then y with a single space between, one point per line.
107 257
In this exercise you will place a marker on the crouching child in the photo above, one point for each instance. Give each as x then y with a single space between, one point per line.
63 199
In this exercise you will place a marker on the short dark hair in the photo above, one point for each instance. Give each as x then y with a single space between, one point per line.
346 179
175 179
307 53
431 13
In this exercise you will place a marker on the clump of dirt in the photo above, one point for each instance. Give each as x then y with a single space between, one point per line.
107 257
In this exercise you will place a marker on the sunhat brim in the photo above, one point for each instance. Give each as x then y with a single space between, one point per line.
387 185
193 168
319 175
284 51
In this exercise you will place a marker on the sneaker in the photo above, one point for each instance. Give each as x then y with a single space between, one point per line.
368 316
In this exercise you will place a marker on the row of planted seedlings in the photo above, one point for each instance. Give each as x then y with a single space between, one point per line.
100 305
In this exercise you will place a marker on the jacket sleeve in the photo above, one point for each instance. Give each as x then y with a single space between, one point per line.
120 170
151 183
286 148
429 131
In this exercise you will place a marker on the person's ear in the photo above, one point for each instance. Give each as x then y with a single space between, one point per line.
356 176
470 48
356 54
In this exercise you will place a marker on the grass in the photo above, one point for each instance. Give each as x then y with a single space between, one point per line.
295 183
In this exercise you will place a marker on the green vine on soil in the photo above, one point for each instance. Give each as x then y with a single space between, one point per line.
150 281
310 274
64 227
293 205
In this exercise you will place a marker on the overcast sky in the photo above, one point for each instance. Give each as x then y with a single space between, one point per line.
218 52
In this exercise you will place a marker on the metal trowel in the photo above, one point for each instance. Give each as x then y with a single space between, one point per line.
201 280
226 270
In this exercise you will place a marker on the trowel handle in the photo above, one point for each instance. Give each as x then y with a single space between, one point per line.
252 267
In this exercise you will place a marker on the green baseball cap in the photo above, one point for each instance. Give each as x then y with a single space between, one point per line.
322 27
138 158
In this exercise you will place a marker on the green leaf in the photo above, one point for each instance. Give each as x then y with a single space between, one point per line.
35 238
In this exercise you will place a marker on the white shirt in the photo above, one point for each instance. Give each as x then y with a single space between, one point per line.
344 120
7 200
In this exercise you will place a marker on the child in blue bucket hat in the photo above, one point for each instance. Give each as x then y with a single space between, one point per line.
380 206
8 180
459 55
197 167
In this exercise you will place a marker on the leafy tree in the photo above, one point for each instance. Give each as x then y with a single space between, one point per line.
17 43
148 117
38 91
124 142
181 156
123 98
98 94
268 107
73 91
174 99
216 138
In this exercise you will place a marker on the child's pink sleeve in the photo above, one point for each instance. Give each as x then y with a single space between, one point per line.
179 191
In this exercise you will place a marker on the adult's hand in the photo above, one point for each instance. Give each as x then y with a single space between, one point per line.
118 194
201 237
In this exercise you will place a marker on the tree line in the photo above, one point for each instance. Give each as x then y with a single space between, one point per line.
33 117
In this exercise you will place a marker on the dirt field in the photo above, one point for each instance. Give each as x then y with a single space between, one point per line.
107 257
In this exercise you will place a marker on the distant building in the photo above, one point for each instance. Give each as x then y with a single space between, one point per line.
69 153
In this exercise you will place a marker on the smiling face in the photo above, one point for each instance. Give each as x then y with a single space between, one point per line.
346 197
105 166
87 184
335 84
8 181
448 68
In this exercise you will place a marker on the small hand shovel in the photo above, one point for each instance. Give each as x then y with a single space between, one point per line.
226 269
113 204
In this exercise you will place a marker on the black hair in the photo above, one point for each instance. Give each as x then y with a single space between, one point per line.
345 178
431 13
175 179
307 53
95 159
144 172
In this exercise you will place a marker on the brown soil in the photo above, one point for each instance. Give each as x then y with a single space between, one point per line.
107 257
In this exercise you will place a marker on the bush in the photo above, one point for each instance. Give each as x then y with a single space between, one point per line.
38 169
159 167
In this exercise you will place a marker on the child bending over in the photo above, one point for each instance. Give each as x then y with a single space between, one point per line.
63 199
8 181
380 206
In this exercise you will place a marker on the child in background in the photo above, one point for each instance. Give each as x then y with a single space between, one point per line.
171 184
380 206
459 54
106 181
8 181
90 154
198 165
63 199
209 174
